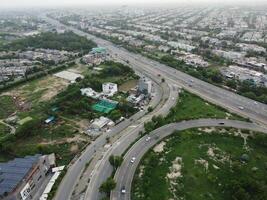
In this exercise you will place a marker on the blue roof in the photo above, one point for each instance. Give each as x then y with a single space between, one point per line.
12 172
50 119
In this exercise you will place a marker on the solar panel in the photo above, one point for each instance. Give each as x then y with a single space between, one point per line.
12 172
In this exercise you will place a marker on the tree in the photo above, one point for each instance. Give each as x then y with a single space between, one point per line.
231 84
150 109
215 75
68 41
107 186
115 115
28 129
115 161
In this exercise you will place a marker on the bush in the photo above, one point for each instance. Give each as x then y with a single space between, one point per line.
108 186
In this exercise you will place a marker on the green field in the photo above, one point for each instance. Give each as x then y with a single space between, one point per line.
4 130
204 164
190 106
7 106
64 137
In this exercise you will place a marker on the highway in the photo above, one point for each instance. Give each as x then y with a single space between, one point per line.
124 175
254 110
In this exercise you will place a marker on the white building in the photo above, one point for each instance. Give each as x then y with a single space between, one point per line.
135 100
180 45
109 89
164 48
251 47
242 74
70 76
89 92
231 55
194 60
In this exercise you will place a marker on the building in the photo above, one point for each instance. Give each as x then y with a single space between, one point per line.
93 59
89 92
164 48
251 47
252 63
230 55
102 122
242 74
69 76
194 60
96 56
144 85
22 177
179 45
109 89
136 99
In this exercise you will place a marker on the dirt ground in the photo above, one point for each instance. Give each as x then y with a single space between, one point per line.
77 138
38 91
128 85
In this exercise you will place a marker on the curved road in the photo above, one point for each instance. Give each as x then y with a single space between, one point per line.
254 110
125 173
103 169
75 170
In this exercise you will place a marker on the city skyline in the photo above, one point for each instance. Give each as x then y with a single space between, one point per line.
49 3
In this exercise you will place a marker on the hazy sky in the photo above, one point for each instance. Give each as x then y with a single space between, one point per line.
30 3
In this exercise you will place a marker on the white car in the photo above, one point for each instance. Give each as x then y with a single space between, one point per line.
133 159
241 107
123 190
148 138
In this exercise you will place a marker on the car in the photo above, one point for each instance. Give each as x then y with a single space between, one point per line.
241 107
123 190
255 103
133 159
148 138
173 98
221 123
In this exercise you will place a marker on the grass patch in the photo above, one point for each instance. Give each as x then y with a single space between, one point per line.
7 106
226 176
4 130
63 151
190 106
127 86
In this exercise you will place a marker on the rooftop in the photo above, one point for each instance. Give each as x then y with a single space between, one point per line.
12 172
